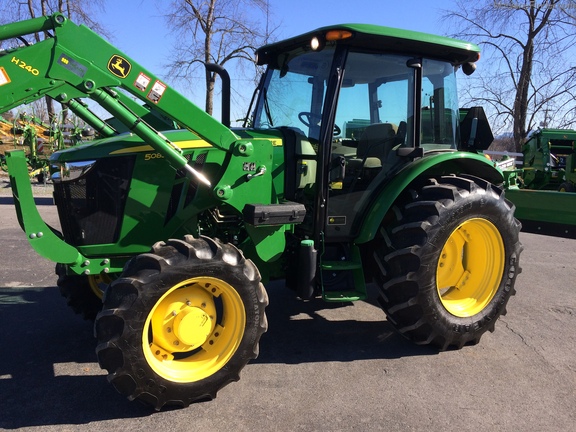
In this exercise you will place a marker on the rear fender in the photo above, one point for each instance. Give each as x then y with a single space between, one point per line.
428 166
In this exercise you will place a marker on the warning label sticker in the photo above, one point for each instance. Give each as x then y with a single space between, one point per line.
156 92
4 78
142 82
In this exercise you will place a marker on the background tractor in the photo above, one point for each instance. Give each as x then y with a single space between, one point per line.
356 167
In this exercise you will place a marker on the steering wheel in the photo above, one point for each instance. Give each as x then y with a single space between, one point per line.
308 118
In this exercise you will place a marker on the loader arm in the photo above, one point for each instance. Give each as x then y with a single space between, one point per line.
61 68
81 109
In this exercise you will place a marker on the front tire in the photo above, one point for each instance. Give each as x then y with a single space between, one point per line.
181 322
449 263
83 293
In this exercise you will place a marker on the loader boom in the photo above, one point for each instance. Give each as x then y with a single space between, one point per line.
58 67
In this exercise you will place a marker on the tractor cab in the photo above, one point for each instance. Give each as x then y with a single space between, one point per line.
355 105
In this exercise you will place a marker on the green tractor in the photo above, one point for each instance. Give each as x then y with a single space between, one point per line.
355 168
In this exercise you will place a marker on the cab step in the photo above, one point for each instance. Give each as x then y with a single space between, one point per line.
353 286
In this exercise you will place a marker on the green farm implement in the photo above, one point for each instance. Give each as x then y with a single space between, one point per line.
543 187
26 132
356 168
39 141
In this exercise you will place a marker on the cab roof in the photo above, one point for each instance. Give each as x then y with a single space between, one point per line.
380 38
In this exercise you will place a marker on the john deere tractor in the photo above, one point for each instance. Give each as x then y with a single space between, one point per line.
354 167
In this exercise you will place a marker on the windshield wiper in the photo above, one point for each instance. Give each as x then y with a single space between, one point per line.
267 107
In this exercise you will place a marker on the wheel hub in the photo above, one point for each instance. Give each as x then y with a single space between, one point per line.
184 319
192 326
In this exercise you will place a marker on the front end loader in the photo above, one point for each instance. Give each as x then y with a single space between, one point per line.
354 167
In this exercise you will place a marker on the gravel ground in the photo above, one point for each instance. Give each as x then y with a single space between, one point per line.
38 189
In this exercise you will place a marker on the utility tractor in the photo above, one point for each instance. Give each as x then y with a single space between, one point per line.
354 167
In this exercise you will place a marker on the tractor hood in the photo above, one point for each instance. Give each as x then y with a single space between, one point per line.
123 144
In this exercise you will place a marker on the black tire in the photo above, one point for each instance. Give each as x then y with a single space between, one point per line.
449 262
202 281
82 293
566 187
88 132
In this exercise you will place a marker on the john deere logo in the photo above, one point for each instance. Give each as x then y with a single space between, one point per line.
119 66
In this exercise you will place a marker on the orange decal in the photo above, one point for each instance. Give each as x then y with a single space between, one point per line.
4 78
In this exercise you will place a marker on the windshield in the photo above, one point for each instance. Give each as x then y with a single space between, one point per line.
293 96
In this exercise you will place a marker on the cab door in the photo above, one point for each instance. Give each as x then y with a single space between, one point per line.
372 120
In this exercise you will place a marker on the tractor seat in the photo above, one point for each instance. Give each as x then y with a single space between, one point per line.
374 146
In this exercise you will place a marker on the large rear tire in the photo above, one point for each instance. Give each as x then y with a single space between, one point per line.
181 322
449 263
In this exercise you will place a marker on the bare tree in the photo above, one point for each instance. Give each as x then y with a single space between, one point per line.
524 78
81 11
215 31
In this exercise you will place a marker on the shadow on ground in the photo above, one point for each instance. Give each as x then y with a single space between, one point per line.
42 341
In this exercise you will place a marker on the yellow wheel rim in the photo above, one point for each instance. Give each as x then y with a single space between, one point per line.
470 267
194 329
99 282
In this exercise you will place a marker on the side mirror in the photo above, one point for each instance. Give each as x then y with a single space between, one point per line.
468 68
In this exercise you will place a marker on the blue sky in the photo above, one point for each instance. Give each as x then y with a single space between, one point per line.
140 31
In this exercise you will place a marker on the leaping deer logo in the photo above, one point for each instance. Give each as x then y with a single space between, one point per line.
119 66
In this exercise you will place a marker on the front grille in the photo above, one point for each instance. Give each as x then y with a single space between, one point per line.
91 207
